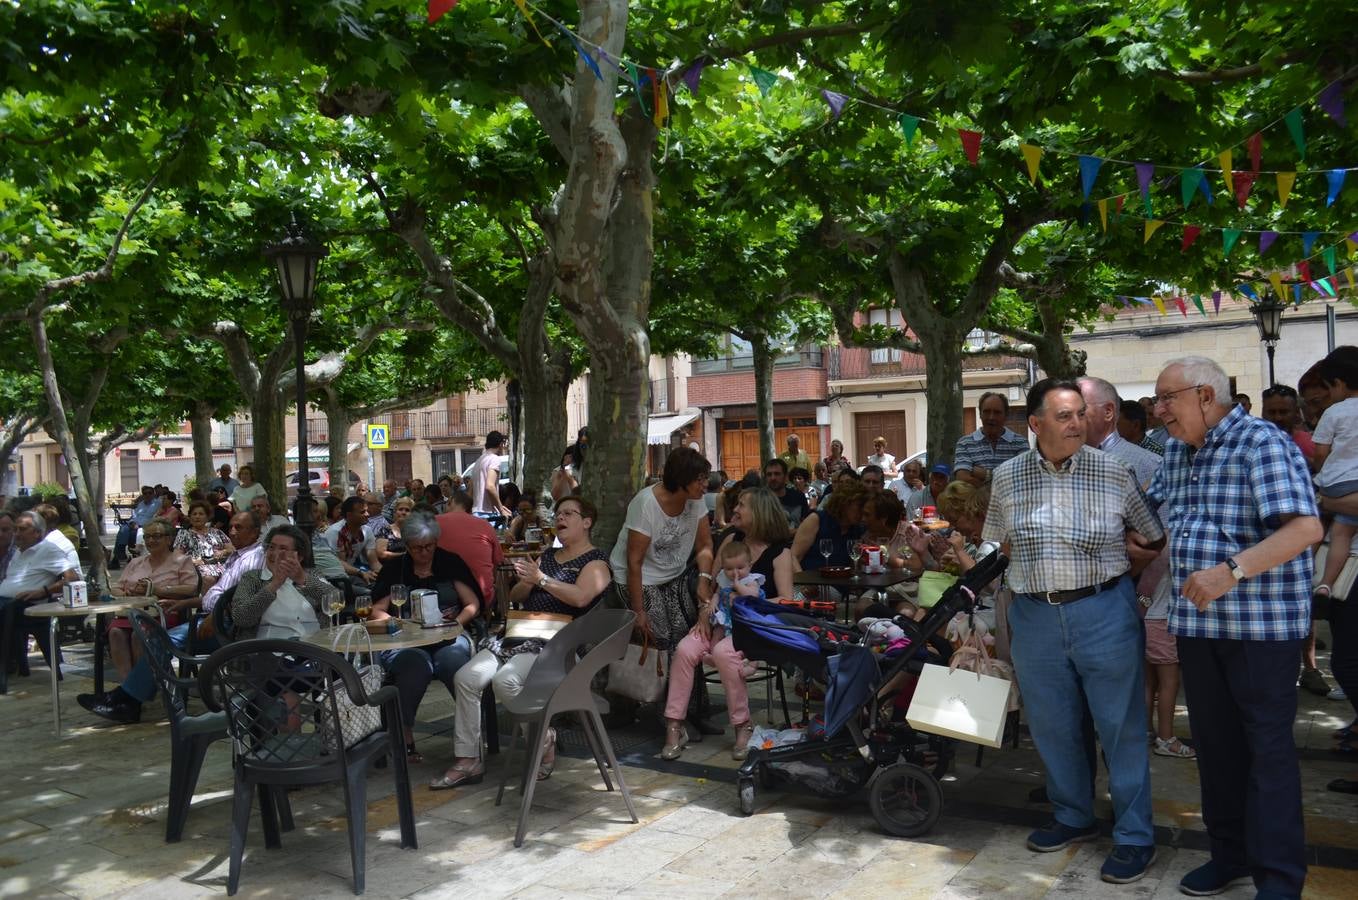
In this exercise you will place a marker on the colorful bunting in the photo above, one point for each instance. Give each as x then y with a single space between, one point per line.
661 97
1197 301
1089 173
971 144
1205 188
836 101
693 74
1190 235
1296 293
1103 214
1308 240
909 125
1159 304
1216 302
1256 148
1248 291
1224 159
1330 254
1332 101
1293 122
1031 155
1266 239
438 8
1117 214
1335 177
523 8
1144 172
584 55
1304 270
1244 183
1183 307
1188 184
763 79
1151 225
1276 279
1228 238
635 77
1285 180
1325 287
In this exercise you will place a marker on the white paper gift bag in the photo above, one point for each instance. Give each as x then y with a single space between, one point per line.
960 704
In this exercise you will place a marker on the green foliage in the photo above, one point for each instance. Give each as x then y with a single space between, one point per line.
47 490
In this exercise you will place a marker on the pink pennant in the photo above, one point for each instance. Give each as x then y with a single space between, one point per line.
1244 183
1256 148
971 144
1191 233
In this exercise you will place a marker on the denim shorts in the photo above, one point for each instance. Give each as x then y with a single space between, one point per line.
1341 489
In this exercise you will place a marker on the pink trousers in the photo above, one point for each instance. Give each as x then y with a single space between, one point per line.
687 657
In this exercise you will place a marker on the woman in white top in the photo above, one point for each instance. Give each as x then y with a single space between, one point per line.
285 598
247 490
881 458
666 524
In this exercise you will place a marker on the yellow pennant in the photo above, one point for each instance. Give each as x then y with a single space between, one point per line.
662 101
1031 154
1226 174
1103 214
1276 279
1159 304
1348 273
1285 180
1352 245
523 8
1151 225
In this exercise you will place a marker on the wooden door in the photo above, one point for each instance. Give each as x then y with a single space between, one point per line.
739 447
870 425
397 465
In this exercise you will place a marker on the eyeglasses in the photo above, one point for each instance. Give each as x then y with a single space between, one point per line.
153 534
421 547
1158 399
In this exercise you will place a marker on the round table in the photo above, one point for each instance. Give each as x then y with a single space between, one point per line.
56 610
412 634
854 586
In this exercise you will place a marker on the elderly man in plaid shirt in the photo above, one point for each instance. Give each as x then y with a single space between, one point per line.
1065 510
1237 500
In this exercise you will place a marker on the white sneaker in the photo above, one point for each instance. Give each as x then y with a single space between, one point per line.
1337 694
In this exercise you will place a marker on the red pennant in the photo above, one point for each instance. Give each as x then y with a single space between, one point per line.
1304 270
1256 148
1191 233
1121 199
438 8
1244 183
1183 307
971 144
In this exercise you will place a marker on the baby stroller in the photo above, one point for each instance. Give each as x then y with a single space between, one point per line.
860 746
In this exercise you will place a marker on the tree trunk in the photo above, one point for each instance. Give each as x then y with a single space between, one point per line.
337 425
544 427
62 430
266 414
943 391
763 395
617 424
92 461
13 432
200 421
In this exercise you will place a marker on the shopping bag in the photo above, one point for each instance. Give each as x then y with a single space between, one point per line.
931 587
357 722
640 674
959 704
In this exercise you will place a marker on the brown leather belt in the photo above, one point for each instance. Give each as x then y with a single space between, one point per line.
1056 598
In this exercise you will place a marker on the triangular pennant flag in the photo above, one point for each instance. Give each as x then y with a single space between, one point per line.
1103 214
523 8
1256 148
1296 293
1144 301
1144 172
693 74
1159 304
1089 173
1304 270
1330 258
1244 183
836 101
763 79
1335 177
1332 101
909 125
1293 122
1327 287
1224 158
1188 184
1205 188
1285 180
1308 240
1124 300
1266 239
635 77
1228 238
1351 244
1119 200
1248 291
1031 154
661 96
1190 235
971 144
1276 279
438 8
1151 225
1183 307
1197 301
584 56
1216 302
1348 273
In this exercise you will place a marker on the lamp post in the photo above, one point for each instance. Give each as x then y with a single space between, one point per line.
1268 315
296 257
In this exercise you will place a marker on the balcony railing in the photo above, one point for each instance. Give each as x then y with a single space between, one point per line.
808 358
317 430
854 363
443 424
660 400
230 435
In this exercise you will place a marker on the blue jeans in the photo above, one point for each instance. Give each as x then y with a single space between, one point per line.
1095 645
127 537
412 669
140 683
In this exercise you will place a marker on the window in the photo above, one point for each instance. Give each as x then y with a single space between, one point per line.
892 319
173 451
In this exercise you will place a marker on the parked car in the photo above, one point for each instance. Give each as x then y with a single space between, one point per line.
319 481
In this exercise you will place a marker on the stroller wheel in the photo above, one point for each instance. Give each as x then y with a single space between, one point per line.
905 800
746 796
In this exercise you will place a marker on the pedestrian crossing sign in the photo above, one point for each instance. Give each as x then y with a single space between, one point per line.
379 438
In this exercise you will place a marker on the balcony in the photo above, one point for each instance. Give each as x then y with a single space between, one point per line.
806 358
440 424
660 399
317 430
230 435
859 363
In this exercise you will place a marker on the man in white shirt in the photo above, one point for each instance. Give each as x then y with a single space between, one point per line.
263 507
485 489
54 536
38 567
880 457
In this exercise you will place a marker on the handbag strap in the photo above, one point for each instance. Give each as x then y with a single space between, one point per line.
645 649
344 642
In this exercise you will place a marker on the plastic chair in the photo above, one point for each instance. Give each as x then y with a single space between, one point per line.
558 683
284 718
190 735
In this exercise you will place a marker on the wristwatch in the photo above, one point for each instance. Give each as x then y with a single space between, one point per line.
542 582
1236 572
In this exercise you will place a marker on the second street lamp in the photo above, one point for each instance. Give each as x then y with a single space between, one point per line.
1268 316
297 257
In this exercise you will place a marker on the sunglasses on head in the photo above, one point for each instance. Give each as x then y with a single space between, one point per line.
1280 390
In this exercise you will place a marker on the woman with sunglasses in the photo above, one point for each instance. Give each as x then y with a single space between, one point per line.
170 577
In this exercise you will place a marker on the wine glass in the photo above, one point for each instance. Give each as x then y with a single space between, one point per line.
827 549
855 553
335 607
363 607
399 595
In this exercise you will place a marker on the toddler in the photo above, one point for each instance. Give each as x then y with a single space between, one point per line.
711 635
1336 440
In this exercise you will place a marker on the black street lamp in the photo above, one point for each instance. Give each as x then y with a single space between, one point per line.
1268 315
297 257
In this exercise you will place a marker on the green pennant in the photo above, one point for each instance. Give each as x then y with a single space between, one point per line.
764 79
636 83
1188 184
1293 120
1228 238
1146 200
1197 301
1329 258
909 125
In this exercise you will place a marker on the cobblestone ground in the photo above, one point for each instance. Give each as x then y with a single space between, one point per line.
83 816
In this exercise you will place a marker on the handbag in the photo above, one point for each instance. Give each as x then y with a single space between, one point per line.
357 722
931 587
524 625
958 702
634 678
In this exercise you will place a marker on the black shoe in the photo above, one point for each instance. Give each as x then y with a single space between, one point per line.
1212 878
1343 786
121 712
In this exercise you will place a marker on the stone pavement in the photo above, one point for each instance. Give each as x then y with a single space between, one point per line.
83 816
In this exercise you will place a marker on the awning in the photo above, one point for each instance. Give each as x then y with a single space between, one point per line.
659 428
315 453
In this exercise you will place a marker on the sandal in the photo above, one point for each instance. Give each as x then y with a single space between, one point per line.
1175 748
744 731
676 739
456 777
413 755
548 755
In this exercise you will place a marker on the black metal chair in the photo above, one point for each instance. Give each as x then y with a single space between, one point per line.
190 735
15 627
282 700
